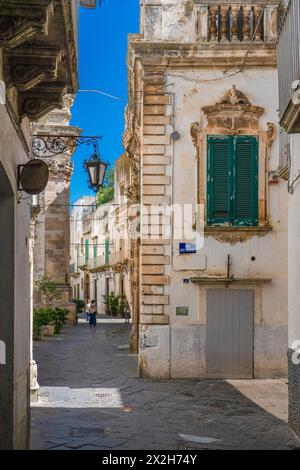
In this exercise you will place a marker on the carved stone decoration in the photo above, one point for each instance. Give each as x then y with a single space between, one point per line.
35 104
194 131
132 146
61 168
27 67
234 97
271 133
234 235
233 114
20 21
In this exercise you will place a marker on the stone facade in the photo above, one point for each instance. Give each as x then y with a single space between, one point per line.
38 64
52 228
289 113
195 78
101 246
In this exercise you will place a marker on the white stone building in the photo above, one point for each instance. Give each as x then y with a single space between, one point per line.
289 170
204 134
100 247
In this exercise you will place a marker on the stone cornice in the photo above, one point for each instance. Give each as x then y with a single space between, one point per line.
70 44
173 54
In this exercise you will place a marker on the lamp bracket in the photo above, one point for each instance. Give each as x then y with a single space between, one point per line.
47 146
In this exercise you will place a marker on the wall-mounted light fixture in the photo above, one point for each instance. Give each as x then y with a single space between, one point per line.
95 169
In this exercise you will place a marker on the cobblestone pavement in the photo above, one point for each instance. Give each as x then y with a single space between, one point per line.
92 398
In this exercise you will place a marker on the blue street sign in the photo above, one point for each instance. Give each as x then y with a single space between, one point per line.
187 248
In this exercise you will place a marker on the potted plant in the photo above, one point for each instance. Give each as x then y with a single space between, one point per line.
41 320
106 301
114 304
80 305
59 316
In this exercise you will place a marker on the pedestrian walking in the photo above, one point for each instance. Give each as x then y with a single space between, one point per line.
93 314
127 312
87 310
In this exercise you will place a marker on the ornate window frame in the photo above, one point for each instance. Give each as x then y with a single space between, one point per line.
234 115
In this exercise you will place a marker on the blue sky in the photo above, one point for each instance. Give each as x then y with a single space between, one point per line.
102 66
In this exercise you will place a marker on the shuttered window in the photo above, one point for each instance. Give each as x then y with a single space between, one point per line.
106 251
232 180
86 252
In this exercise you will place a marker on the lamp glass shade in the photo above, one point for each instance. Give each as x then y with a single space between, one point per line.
102 173
96 171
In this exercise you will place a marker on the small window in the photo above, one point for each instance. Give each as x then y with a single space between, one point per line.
232 180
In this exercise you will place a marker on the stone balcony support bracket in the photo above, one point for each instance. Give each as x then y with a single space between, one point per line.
40 54
21 20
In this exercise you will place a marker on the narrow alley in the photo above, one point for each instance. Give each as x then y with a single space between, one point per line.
91 398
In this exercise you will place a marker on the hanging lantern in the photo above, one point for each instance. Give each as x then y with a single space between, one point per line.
96 170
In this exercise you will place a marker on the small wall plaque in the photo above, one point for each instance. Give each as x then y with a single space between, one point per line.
182 311
187 248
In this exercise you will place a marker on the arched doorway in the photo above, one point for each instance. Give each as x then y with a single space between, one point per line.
7 275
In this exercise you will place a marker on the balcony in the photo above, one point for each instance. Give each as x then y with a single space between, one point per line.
211 21
73 270
289 68
235 22
116 258
82 262
96 263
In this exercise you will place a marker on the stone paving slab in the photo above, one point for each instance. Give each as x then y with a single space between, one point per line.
92 398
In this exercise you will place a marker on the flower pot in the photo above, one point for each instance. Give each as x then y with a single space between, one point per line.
48 330
37 334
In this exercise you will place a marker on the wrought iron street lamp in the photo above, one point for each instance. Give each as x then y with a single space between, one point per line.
95 169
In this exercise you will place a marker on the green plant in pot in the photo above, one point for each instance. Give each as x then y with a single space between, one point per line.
106 301
80 305
41 317
59 316
114 304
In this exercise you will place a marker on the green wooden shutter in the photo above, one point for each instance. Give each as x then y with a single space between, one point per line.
106 251
218 179
245 181
86 254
